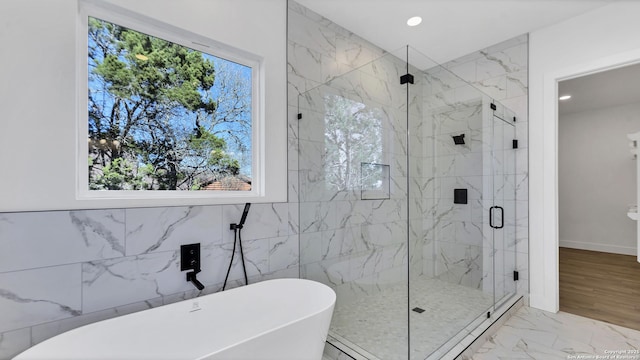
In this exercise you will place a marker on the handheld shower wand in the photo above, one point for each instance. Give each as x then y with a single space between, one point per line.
237 239
245 212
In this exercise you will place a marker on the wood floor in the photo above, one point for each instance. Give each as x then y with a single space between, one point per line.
600 286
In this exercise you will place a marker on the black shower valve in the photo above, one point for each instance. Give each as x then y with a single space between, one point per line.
190 257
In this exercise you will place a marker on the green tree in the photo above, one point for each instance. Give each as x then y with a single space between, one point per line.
151 103
353 135
119 174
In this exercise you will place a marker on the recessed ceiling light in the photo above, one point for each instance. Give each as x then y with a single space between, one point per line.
564 97
416 20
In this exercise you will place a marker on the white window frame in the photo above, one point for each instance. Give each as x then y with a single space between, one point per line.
146 25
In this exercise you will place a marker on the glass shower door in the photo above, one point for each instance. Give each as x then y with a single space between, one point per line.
452 291
503 211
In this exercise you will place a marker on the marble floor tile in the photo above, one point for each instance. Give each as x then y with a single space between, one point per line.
537 334
377 323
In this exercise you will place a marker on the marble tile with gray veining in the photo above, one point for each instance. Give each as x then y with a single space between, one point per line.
377 322
283 253
306 32
165 229
495 87
351 50
35 296
45 331
537 334
137 278
317 216
304 62
34 239
263 221
507 61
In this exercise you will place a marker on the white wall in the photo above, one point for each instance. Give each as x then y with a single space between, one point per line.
39 94
597 179
591 42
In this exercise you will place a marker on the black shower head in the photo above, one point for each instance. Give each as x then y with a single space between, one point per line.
458 139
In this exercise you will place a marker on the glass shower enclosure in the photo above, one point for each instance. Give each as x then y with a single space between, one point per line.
406 205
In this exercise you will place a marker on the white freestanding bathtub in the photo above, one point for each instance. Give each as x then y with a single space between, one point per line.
275 319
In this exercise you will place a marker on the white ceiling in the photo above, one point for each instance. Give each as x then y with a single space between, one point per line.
604 89
450 28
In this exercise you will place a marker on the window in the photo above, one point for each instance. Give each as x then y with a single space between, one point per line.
163 116
44 147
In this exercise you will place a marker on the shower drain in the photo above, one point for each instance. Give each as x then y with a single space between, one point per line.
418 310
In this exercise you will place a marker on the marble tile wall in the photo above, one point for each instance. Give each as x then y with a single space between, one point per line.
336 236
357 246
500 72
63 269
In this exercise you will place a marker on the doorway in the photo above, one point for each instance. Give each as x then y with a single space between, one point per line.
599 276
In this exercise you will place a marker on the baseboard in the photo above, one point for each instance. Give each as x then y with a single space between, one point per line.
614 249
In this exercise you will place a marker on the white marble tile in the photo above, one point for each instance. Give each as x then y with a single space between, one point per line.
292 188
339 242
293 127
352 51
466 70
377 323
333 272
137 278
310 247
35 296
216 259
517 84
331 68
510 60
311 160
165 229
294 218
14 342
283 253
256 257
495 87
365 264
310 34
384 234
536 334
45 331
388 69
304 62
297 90
38 239
263 221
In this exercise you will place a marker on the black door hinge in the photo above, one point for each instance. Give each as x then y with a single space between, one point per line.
299 116
515 143
406 78
516 276
493 107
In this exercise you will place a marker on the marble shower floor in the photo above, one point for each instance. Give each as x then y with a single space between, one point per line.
378 323
537 334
